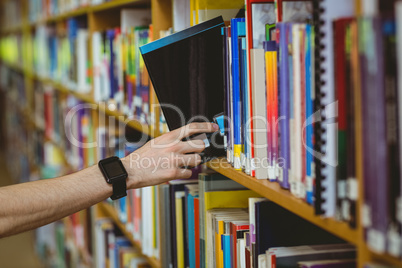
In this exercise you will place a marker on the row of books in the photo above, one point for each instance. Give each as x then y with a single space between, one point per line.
56 245
119 71
303 88
62 55
11 49
112 249
213 221
187 13
139 211
11 14
43 9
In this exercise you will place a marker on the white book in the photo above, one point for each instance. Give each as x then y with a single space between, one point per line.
331 10
259 100
96 65
82 61
130 18
181 15
296 134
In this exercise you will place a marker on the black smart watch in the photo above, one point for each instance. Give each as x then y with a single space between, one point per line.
114 172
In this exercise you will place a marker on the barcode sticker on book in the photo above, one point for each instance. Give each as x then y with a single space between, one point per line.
345 210
366 216
280 174
341 189
352 189
376 241
394 241
399 209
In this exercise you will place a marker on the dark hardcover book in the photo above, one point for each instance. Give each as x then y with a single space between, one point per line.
166 236
341 86
392 127
186 71
351 128
175 186
374 134
284 229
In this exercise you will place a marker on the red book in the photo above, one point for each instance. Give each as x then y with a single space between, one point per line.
248 258
197 231
234 228
249 35
48 114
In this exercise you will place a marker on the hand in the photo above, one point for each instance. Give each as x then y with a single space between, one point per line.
162 158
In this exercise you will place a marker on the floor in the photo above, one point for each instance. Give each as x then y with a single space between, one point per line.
16 251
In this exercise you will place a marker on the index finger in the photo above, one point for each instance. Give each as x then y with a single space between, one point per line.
194 128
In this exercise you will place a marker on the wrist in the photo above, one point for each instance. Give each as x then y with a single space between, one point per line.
131 179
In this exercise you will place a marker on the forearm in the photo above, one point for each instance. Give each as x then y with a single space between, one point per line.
30 205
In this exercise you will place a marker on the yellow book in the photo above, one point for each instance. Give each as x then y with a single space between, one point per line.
228 199
192 12
179 230
209 9
224 199
218 245
127 256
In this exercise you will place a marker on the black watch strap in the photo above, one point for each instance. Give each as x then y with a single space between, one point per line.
119 188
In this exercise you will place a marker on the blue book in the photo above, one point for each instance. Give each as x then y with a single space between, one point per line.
226 85
246 158
226 248
309 113
236 29
191 230
113 81
119 243
284 148
123 209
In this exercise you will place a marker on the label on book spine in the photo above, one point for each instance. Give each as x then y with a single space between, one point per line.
366 216
399 209
376 240
352 189
280 173
237 156
341 189
394 241
345 210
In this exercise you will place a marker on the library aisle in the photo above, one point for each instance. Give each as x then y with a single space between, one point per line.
16 251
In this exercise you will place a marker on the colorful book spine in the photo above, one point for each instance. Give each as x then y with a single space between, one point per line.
237 145
283 88
272 106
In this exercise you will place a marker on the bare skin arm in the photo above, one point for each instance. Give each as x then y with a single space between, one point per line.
30 205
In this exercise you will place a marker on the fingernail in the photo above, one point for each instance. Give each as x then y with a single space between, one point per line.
216 126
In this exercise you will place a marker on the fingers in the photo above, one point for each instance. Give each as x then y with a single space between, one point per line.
192 146
183 173
188 160
194 128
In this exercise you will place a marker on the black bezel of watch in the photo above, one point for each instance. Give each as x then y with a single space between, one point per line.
118 180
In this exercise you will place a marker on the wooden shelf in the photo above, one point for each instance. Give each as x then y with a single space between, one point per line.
89 9
12 30
109 211
285 199
133 123
381 258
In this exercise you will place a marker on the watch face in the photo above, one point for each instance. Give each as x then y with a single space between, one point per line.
114 169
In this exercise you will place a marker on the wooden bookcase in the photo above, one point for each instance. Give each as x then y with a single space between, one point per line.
162 20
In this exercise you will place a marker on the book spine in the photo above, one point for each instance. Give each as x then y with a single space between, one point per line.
237 145
284 150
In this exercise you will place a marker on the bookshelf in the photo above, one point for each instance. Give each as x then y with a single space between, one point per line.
107 210
162 20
